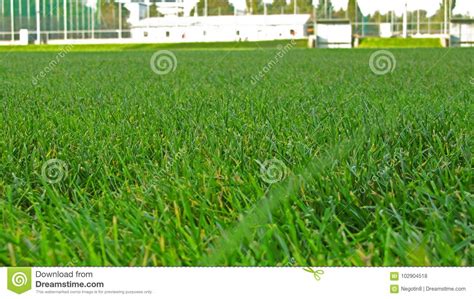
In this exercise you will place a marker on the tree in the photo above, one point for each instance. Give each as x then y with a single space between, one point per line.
325 9
109 14
340 14
453 5
254 6
215 7
354 11
154 10
303 6
440 14
277 6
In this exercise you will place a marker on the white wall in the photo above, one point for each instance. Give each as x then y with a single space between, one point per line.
212 33
334 35
462 34
386 30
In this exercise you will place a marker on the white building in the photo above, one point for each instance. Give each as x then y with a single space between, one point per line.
172 29
462 32
333 34
140 9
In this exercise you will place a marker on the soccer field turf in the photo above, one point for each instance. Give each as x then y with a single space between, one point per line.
249 157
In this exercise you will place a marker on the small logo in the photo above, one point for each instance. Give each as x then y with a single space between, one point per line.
19 279
273 171
393 275
382 62
54 171
316 273
394 289
163 62
291 262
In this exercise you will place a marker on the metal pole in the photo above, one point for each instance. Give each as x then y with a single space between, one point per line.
405 21
12 21
148 14
58 15
355 12
294 7
450 11
89 25
71 21
93 22
77 19
94 12
325 9
38 22
429 25
120 20
50 14
65 18
445 17
418 22
98 14
28 13
148 10
391 22
20 9
83 22
205 8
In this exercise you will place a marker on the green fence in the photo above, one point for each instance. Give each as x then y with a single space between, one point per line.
56 16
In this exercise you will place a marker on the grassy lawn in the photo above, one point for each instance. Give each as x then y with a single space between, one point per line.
377 42
318 161
302 43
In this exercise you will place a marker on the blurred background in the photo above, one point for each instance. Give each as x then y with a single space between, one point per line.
161 21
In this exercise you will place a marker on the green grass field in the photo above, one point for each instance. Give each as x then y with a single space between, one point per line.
377 42
318 162
300 43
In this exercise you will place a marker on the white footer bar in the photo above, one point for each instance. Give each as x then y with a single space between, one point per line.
220 282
